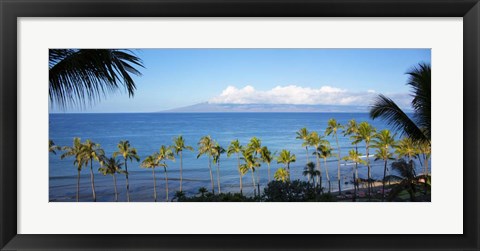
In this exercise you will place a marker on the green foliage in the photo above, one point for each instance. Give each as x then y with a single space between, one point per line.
222 197
295 191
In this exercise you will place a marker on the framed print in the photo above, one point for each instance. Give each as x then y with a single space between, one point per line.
239 125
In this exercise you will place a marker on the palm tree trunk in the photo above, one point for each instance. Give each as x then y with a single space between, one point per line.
338 174
166 183
306 149
368 176
426 173
328 177
218 176
289 174
355 182
115 186
126 179
211 174
268 169
383 185
319 168
240 174
253 182
181 171
78 184
92 179
154 185
258 183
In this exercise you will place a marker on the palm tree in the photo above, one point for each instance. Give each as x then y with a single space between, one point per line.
417 128
128 153
406 147
366 133
205 146
332 128
165 153
79 162
152 162
352 131
236 148
91 151
255 146
354 157
217 150
111 166
424 148
250 163
304 135
267 157
52 147
80 75
179 146
202 191
285 157
383 142
406 176
324 151
281 174
310 172
316 140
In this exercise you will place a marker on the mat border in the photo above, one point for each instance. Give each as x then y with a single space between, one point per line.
10 10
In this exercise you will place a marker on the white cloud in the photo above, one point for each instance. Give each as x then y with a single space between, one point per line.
293 94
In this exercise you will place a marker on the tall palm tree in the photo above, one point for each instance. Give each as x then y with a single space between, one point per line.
417 128
236 148
255 146
217 151
352 131
324 151
354 157
76 151
152 162
285 157
111 166
205 146
165 153
310 172
316 140
179 146
91 151
304 135
250 163
81 76
282 174
128 153
333 128
366 133
267 158
383 142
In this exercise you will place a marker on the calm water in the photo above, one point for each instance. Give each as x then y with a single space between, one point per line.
148 131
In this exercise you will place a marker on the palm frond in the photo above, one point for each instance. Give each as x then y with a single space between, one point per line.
83 76
386 108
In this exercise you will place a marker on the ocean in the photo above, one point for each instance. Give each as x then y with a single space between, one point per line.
148 131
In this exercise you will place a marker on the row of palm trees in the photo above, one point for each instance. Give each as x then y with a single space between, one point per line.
383 142
251 156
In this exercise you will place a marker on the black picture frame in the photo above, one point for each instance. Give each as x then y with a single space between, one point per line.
10 10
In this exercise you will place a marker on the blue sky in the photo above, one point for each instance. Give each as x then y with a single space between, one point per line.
180 77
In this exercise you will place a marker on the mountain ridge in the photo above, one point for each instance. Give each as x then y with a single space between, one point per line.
209 107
